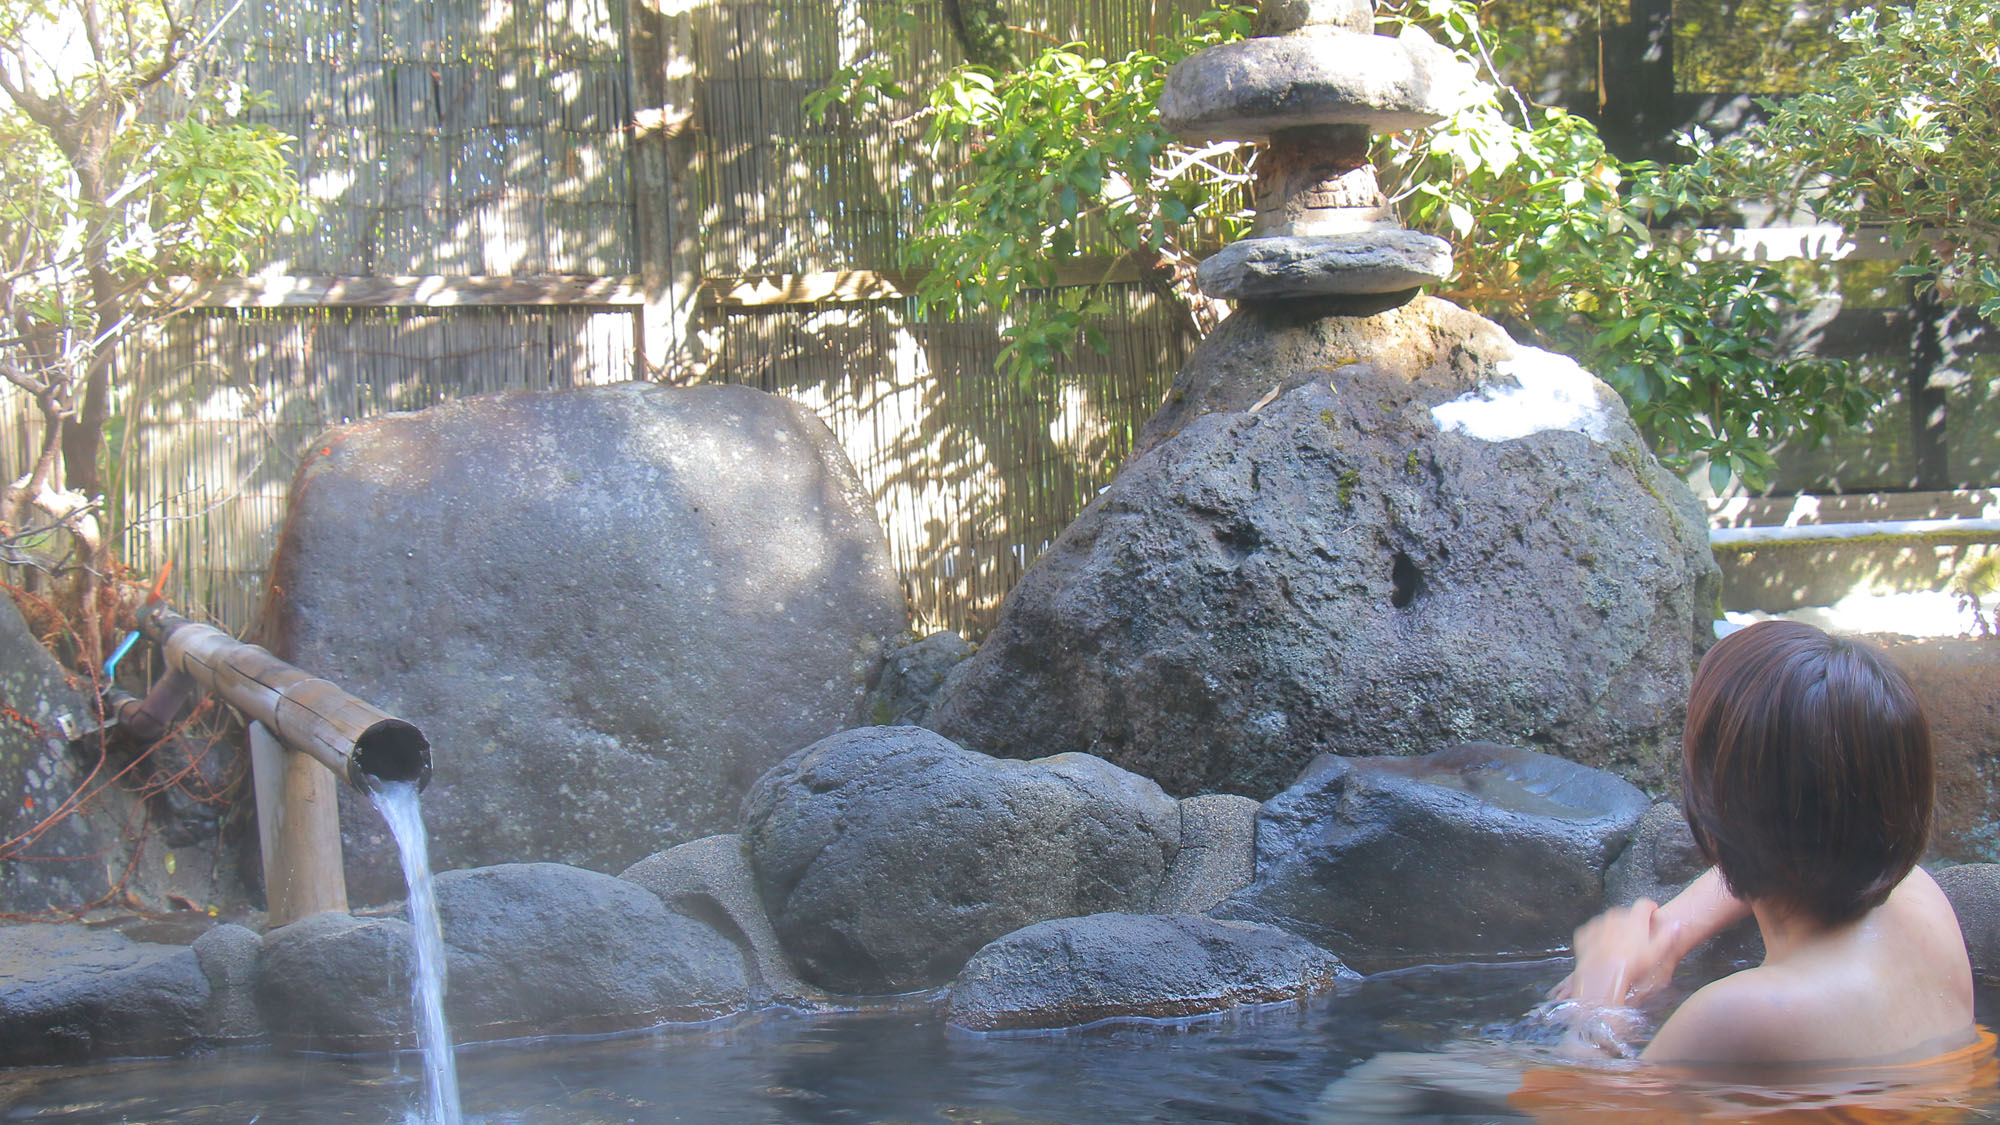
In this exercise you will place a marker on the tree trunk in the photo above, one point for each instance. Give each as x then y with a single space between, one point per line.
83 433
1931 352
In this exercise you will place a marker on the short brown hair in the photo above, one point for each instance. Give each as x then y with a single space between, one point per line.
1806 766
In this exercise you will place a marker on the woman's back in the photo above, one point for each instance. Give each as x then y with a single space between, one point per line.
1893 985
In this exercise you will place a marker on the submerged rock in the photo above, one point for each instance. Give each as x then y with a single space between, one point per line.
1359 535
68 994
1475 850
609 610
886 856
1073 971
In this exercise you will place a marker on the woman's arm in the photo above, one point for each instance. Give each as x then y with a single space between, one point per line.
1628 954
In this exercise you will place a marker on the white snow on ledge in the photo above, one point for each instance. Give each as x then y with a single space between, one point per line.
1919 614
1555 393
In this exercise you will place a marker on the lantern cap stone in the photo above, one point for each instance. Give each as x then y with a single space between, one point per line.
1320 75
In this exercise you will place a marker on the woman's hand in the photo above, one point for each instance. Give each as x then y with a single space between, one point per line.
1623 956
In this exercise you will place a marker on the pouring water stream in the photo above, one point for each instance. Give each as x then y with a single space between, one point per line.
397 801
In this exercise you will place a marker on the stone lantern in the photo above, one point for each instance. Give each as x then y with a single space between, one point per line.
1314 84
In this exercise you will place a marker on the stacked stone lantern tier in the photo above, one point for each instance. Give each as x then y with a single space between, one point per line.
1314 87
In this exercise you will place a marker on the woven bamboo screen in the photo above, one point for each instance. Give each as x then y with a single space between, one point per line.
449 137
236 398
452 138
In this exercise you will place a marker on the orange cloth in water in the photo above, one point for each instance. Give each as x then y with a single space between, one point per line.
1947 1088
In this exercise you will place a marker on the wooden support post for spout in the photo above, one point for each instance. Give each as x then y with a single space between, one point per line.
298 830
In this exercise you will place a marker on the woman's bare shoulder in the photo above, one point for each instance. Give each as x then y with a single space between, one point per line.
1738 1019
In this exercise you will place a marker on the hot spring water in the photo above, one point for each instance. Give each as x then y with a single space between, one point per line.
397 801
1420 1044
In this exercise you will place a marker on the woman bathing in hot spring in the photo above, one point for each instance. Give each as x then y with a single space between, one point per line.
1807 776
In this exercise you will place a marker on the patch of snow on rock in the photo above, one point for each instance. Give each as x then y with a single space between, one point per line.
1554 393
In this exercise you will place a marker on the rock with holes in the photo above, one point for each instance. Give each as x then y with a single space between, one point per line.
1357 534
609 609
1073 971
886 856
1471 851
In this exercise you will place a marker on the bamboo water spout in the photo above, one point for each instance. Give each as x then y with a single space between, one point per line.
356 740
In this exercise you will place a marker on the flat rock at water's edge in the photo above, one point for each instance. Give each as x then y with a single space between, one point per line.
68 994
1073 971
530 949
886 856
541 948
1357 535
1472 851
608 609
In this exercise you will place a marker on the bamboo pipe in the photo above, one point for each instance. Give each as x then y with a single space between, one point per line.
354 739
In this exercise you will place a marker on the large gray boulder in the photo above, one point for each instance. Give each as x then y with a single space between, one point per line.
886 856
68 994
530 949
38 776
1471 851
1357 535
609 610
1072 971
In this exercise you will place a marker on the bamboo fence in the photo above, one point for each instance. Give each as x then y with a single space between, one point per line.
484 216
